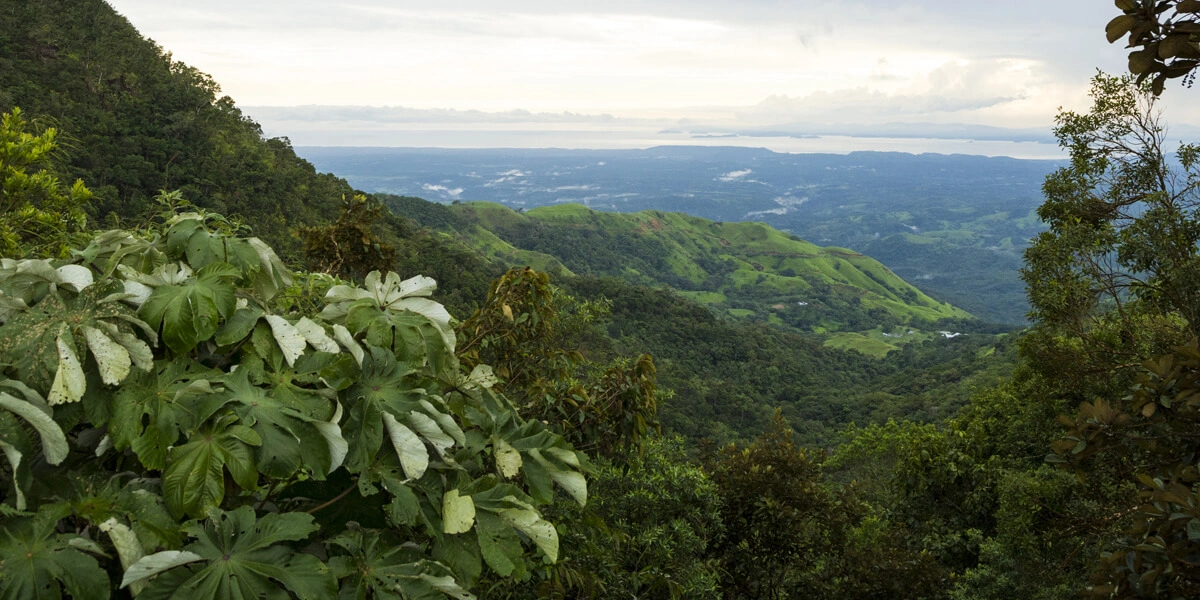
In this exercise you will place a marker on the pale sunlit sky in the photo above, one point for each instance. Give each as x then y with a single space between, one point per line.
753 62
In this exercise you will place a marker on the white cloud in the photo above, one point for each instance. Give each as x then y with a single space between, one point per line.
443 191
734 175
1006 63
770 211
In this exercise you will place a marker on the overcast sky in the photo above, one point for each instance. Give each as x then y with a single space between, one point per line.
1004 63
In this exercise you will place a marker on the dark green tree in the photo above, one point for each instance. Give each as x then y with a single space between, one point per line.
531 332
353 245
1164 36
1116 278
1115 287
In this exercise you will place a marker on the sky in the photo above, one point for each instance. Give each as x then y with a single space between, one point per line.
727 65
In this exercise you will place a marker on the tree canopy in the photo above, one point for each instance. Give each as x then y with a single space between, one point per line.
1163 35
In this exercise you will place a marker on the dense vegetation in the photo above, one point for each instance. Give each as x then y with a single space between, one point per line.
183 415
137 122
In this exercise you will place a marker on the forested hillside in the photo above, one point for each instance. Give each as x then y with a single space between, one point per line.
741 270
385 410
135 121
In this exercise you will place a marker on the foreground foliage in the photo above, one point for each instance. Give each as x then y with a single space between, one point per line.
1162 35
176 424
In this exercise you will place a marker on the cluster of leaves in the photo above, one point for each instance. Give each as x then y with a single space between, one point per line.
1164 33
350 247
645 532
1153 434
1114 279
38 215
172 420
529 330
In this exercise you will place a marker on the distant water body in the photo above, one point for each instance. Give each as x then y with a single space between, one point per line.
313 134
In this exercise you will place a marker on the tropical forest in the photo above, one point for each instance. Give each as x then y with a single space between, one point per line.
224 374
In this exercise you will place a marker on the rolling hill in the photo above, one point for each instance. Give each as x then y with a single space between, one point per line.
746 271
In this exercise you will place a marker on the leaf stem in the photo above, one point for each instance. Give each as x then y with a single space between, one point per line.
334 500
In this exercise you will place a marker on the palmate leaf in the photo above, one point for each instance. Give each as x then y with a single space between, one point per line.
387 299
189 313
311 386
261 269
239 557
194 479
153 410
371 567
382 387
502 510
38 562
49 343
108 250
413 337
385 293
286 418
129 512
413 418
544 456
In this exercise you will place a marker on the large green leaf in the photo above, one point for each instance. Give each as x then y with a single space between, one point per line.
113 248
189 238
152 411
38 562
240 557
499 544
189 313
380 303
413 337
285 418
502 510
384 386
48 344
194 479
546 458
371 567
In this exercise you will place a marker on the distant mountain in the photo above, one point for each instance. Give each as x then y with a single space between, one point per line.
953 225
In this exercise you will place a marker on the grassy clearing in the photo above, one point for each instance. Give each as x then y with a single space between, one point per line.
859 343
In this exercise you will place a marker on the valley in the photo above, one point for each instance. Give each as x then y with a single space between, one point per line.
952 225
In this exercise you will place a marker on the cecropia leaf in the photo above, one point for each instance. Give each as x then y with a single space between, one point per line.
290 340
69 380
54 442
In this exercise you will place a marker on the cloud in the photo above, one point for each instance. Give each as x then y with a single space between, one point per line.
443 191
770 211
734 175
953 87
401 114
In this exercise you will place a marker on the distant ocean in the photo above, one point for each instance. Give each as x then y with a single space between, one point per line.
574 136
